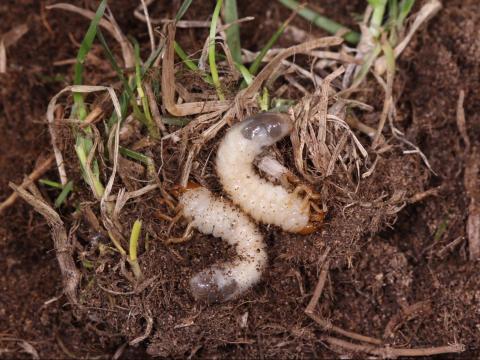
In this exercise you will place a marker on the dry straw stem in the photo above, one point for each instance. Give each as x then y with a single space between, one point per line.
320 136
41 169
387 105
404 315
147 332
26 346
393 353
471 182
63 243
149 25
154 108
110 25
249 56
8 39
461 121
273 65
326 324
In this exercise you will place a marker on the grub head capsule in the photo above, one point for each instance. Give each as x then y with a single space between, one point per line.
266 128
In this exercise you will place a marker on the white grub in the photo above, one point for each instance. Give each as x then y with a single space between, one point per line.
212 215
264 201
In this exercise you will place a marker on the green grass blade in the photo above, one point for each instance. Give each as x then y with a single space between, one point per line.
189 63
151 59
258 60
64 194
390 57
135 155
110 56
150 124
127 96
53 184
377 16
391 24
264 101
85 47
117 244
211 50
82 148
175 121
405 8
247 76
183 9
133 248
367 64
322 22
255 66
233 32
134 236
392 10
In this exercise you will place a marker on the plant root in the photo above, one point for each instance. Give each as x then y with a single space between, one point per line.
393 353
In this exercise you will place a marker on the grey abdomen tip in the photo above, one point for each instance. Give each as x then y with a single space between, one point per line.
212 286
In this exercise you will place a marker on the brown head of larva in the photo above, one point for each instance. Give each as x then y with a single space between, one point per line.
266 128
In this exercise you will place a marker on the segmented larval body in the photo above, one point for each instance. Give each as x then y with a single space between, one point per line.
264 201
212 215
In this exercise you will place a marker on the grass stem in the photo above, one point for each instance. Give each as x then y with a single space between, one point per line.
211 50
132 256
233 32
322 22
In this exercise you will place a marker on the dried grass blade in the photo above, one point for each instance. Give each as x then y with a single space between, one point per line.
3 57
41 169
63 244
276 61
9 39
113 29
388 103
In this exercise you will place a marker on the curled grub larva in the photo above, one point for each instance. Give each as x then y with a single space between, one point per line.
212 215
264 201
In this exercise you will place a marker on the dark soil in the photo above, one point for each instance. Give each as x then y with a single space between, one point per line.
399 261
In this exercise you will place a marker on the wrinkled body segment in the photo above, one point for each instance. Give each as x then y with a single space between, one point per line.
264 201
215 216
